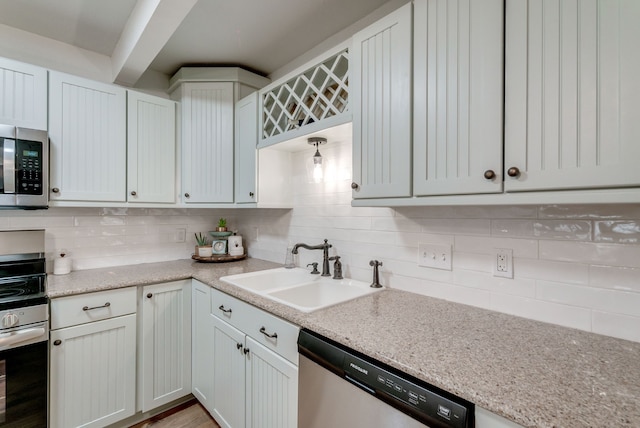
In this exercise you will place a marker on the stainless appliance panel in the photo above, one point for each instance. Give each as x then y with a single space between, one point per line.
325 400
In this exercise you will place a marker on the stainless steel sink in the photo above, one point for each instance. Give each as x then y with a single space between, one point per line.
299 289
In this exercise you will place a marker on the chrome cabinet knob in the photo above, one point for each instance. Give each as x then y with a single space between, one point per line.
513 172
57 342
489 174
133 193
55 190
149 295
355 186
186 195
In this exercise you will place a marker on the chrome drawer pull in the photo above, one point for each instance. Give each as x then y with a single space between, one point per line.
271 336
226 311
87 308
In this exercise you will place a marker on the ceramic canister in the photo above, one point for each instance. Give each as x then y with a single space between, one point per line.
235 245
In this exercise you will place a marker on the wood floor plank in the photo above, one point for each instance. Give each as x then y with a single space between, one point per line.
189 415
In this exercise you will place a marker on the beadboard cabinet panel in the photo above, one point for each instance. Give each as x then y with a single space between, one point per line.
151 148
23 95
229 375
165 350
272 389
458 97
381 86
93 368
207 142
572 94
246 142
88 140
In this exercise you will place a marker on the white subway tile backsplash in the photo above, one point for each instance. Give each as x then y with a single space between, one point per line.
622 232
457 226
591 253
617 278
565 315
594 212
611 301
523 248
616 325
548 270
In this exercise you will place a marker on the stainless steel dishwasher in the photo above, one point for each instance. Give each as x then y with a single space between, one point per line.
339 387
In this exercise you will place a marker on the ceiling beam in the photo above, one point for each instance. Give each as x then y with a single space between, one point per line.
149 27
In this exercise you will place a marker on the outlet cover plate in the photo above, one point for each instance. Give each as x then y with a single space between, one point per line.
436 256
503 263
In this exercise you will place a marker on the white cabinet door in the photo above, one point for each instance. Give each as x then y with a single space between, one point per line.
93 368
572 94
202 345
207 142
87 132
246 140
458 97
165 351
229 375
151 148
272 388
380 85
23 95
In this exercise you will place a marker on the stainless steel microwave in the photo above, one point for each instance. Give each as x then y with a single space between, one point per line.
24 168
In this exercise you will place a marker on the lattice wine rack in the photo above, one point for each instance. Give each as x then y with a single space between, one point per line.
320 92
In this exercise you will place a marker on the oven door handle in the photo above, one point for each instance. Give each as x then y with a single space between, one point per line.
9 339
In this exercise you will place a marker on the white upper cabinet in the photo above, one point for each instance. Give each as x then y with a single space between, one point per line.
207 142
458 97
23 95
151 148
572 94
246 142
380 82
87 132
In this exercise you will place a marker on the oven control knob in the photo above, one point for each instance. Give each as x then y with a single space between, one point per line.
9 320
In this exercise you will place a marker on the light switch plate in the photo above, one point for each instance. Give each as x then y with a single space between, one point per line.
436 256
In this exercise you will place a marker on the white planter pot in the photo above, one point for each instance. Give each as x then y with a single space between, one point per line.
205 251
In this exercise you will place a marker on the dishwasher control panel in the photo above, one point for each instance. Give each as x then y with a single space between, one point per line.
384 383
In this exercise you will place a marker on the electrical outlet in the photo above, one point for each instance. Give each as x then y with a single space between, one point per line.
503 263
434 256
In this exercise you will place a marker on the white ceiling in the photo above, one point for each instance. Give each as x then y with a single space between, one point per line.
262 35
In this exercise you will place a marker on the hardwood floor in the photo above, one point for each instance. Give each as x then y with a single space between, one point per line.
191 415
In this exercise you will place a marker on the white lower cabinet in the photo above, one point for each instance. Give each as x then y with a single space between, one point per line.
255 366
93 359
164 364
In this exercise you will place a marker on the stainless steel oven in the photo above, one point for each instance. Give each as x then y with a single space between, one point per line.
24 331
24 168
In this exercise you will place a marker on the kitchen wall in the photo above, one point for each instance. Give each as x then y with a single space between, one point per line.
577 266
103 237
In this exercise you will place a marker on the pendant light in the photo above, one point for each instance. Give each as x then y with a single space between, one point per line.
318 171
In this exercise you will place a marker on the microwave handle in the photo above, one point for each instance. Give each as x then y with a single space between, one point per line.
9 166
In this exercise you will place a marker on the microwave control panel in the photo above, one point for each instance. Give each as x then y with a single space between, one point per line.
29 167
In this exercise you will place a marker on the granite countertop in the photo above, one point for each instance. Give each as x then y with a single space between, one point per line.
536 374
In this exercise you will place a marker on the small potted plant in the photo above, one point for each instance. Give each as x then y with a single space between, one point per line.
203 249
222 225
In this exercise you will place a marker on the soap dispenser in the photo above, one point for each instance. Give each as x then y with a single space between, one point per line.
337 267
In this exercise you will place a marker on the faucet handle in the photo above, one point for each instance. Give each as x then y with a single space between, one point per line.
376 275
315 268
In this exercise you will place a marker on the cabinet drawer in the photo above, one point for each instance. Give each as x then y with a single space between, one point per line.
84 308
253 321
260 325
229 309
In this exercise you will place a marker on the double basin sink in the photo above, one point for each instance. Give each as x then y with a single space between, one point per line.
299 289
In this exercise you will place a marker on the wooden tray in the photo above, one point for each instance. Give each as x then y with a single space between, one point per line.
218 258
